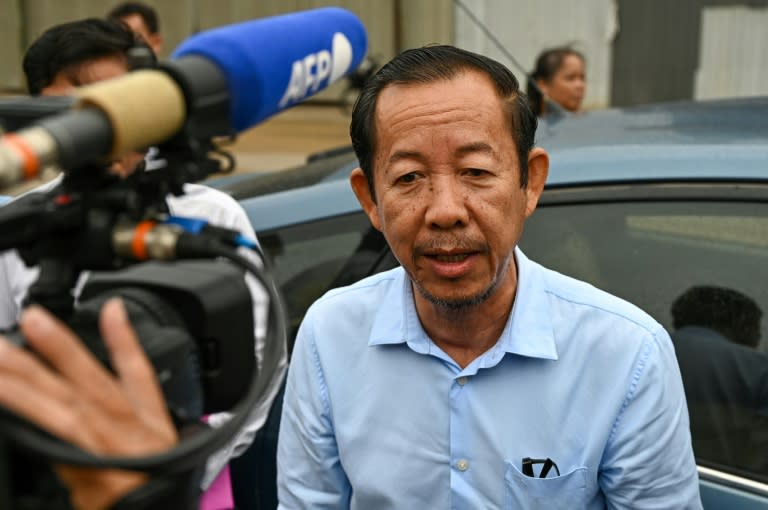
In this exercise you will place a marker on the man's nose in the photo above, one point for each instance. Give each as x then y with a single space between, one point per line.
447 203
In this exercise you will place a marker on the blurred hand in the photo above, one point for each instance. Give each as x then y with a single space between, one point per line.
126 164
68 392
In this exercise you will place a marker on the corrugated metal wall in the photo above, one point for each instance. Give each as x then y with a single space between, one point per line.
733 55
391 24
656 51
686 49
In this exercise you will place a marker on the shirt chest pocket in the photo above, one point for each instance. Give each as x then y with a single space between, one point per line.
567 491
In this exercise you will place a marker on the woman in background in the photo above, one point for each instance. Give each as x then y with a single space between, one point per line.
557 78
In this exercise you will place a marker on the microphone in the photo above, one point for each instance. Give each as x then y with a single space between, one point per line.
274 63
218 81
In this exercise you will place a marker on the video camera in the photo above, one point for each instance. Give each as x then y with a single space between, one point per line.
194 318
218 82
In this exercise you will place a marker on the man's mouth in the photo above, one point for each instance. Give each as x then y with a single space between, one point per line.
453 257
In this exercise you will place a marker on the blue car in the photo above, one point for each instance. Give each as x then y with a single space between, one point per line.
663 205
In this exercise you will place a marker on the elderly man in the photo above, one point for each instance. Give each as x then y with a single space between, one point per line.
472 377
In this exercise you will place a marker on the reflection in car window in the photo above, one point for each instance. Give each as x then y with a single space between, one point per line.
309 259
706 262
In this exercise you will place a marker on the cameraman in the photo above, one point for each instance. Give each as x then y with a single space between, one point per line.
64 390
90 50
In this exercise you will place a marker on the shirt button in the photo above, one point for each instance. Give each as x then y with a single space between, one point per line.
462 380
462 465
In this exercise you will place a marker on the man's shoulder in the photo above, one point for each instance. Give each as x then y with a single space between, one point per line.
359 301
616 336
565 289
367 290
339 324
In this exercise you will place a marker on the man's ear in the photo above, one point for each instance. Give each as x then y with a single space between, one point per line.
538 168
362 190
156 43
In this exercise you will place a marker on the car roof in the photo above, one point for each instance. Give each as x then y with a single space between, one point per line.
288 207
708 141
741 120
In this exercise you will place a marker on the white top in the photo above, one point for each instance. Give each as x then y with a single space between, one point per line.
219 209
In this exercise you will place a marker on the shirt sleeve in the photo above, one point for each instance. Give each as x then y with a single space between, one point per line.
309 471
649 462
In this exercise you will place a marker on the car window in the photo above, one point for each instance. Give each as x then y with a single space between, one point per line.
699 269
310 258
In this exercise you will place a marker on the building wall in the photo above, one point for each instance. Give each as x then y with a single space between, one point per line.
654 56
733 52
689 49
391 24
11 44
524 28
637 51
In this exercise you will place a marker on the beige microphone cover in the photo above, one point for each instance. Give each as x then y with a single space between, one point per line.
145 108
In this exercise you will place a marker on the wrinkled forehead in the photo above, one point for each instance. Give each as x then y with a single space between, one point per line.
469 95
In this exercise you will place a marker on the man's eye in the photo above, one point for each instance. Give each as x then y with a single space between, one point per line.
407 178
476 172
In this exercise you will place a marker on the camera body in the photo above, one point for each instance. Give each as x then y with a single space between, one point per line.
208 300
194 321
193 318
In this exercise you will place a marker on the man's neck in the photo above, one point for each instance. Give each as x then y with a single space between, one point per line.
466 333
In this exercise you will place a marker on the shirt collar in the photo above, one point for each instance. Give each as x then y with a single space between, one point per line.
528 332
396 321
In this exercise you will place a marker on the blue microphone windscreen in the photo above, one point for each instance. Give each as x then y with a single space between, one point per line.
273 63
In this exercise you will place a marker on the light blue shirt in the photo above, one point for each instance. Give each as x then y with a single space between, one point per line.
377 416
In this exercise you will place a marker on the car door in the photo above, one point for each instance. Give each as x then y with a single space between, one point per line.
312 257
693 255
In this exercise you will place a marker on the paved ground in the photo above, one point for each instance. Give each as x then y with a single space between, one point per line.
288 138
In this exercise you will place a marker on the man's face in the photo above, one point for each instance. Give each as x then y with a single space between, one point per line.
92 71
137 26
447 183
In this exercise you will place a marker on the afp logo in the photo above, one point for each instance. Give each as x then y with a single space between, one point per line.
310 72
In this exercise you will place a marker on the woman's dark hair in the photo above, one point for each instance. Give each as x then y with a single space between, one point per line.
428 65
65 47
548 63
